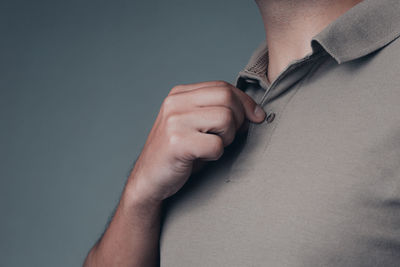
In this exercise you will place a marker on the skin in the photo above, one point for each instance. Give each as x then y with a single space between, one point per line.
290 25
195 122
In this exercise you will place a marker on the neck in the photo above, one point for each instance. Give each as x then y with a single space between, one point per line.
290 25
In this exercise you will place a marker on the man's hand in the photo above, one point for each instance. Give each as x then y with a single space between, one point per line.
195 123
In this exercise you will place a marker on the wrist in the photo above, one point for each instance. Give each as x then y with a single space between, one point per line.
135 197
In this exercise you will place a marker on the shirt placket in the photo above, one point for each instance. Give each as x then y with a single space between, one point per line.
273 99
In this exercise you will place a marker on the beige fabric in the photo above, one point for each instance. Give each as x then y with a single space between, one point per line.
319 185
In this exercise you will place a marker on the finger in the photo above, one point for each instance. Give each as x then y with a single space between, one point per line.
206 97
206 146
216 120
188 87
252 110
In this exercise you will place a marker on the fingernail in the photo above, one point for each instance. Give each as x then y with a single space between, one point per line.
259 112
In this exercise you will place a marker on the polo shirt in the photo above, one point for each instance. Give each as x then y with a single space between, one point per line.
317 183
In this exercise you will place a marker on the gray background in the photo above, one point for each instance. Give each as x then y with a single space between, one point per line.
81 83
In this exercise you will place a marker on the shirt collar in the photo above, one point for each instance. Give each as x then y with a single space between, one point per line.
366 27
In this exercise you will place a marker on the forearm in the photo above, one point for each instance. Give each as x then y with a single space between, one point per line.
132 238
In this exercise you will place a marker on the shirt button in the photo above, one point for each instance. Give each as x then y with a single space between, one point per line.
270 117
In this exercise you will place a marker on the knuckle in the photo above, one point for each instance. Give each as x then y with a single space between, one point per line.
169 104
174 140
226 95
221 83
172 121
176 88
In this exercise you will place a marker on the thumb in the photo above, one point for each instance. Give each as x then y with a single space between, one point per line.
252 110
